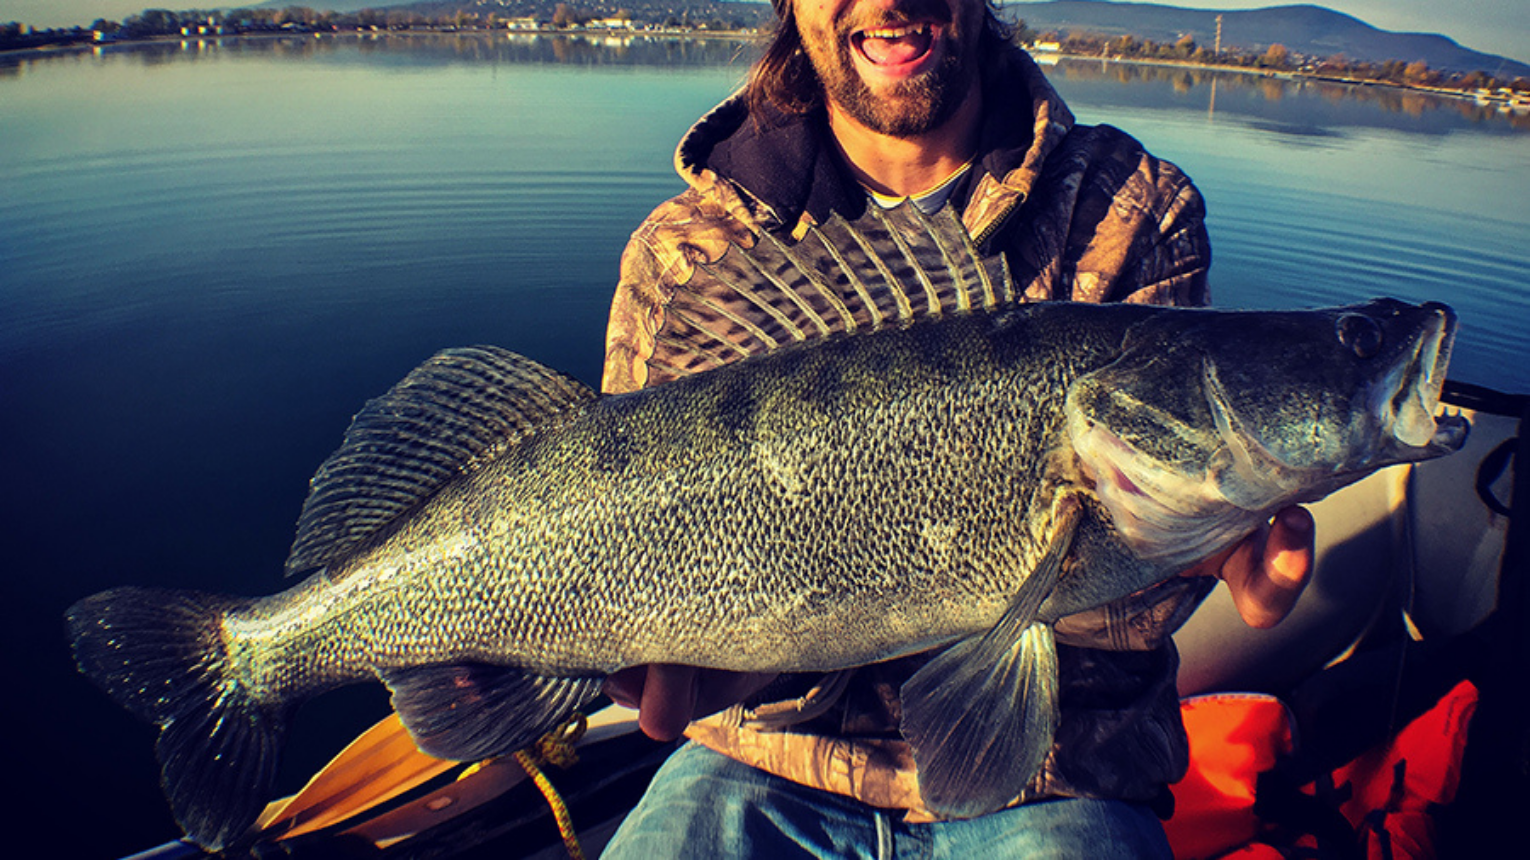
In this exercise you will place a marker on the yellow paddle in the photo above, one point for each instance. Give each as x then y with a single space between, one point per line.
379 765
384 763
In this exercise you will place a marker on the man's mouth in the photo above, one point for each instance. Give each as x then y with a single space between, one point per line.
894 46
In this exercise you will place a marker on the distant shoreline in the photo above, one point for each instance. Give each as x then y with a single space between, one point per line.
258 35
1522 103
749 36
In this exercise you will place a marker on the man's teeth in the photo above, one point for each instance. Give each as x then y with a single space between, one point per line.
894 46
894 32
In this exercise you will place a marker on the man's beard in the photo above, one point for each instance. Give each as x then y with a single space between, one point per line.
908 108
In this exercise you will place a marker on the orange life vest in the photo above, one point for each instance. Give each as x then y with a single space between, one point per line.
1385 795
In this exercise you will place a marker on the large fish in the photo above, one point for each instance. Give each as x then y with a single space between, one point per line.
492 539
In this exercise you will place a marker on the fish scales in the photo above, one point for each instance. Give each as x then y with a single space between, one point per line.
863 485
932 468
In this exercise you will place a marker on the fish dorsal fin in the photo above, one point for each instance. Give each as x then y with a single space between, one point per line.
457 410
888 267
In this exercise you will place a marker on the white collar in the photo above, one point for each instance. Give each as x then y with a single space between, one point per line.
929 202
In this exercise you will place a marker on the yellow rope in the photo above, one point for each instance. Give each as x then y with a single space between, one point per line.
556 747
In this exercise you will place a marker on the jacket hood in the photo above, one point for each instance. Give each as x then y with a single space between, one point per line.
786 166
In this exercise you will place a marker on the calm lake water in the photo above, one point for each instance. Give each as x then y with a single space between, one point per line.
212 253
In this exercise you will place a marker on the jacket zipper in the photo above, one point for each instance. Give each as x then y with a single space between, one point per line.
998 221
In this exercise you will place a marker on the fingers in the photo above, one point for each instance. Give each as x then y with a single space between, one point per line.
1212 565
1267 572
668 697
626 686
668 703
1289 551
664 696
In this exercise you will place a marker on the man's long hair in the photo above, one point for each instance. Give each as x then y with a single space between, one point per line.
783 77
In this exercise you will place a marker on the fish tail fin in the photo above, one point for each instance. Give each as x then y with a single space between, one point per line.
162 655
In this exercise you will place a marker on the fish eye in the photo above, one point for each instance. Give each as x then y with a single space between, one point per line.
1361 334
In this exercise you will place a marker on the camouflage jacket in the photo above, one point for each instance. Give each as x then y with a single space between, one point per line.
1080 213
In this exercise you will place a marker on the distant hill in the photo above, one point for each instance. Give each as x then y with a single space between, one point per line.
1305 29
1312 30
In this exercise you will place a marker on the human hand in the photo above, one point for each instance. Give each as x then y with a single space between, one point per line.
668 697
1266 571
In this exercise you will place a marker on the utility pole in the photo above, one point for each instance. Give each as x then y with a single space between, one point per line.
1218 49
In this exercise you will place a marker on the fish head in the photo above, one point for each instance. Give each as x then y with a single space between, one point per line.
1209 421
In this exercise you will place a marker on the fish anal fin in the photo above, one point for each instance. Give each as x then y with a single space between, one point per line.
981 716
457 410
471 711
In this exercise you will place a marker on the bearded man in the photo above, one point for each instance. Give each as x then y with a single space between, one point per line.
864 103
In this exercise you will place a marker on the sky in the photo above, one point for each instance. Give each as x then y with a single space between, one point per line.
1495 26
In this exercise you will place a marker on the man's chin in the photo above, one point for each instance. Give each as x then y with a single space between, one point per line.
892 122
908 109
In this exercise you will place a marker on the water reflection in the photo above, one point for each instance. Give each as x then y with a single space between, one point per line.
1279 102
1312 107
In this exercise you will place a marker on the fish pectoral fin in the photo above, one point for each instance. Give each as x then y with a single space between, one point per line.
471 711
980 717
981 728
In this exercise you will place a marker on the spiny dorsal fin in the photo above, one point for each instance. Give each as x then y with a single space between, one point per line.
887 267
457 410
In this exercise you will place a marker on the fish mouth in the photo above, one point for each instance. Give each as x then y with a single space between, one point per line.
1408 399
897 50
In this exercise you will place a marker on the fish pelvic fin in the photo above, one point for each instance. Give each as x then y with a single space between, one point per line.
161 655
472 711
981 716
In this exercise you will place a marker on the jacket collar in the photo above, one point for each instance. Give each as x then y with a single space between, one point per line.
784 164
783 167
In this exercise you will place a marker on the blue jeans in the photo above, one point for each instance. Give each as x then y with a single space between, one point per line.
707 806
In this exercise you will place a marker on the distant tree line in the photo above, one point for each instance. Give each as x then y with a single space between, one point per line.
1274 58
